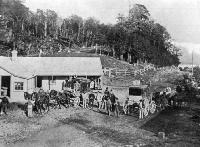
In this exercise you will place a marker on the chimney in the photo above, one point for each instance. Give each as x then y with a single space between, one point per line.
14 55
41 52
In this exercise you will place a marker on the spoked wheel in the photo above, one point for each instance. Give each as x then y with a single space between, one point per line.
76 102
146 107
90 104
152 107
146 111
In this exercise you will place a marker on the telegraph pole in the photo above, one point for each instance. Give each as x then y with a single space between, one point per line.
192 62
129 7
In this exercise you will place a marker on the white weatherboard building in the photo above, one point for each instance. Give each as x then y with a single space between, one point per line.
23 74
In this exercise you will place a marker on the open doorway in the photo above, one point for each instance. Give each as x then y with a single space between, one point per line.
5 82
39 81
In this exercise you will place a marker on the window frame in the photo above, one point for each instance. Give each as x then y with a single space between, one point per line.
21 86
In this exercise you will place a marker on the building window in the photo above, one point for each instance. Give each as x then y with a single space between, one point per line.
19 85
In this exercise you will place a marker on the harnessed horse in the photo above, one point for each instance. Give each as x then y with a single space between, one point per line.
41 101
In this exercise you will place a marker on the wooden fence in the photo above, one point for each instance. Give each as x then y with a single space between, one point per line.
114 72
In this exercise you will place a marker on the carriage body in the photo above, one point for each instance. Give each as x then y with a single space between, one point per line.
139 92
136 93
84 84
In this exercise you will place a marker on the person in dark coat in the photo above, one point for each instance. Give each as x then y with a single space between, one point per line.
113 100
4 104
106 97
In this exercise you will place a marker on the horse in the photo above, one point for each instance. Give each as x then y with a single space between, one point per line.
157 98
91 97
62 99
69 97
27 96
54 98
41 101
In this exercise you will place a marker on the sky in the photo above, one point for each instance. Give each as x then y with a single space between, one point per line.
180 17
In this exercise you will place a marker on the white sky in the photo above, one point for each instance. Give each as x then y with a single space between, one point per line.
180 17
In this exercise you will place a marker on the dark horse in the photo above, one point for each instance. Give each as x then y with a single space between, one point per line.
91 100
27 96
60 98
41 101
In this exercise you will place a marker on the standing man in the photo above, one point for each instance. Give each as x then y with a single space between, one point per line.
92 85
99 99
4 103
114 103
30 108
113 100
125 106
85 99
141 113
77 86
106 97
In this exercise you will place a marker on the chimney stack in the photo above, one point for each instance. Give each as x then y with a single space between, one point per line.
14 55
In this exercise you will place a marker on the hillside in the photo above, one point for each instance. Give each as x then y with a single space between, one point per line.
160 79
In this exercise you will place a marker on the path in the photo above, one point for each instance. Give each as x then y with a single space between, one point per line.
61 136
88 128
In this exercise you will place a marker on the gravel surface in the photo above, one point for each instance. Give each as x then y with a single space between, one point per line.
73 127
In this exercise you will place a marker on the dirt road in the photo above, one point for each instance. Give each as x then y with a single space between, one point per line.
86 128
62 136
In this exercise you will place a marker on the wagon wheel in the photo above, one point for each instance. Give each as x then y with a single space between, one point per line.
76 102
90 106
146 108
152 107
146 111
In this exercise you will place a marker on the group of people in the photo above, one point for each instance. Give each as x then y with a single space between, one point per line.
105 100
141 107
71 84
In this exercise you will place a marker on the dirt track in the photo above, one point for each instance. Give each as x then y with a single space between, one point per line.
81 127
78 127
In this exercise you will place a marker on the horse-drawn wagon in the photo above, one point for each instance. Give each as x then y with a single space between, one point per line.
139 93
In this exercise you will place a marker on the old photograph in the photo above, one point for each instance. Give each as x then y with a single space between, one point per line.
99 73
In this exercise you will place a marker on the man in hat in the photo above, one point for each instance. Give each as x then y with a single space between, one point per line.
99 99
141 109
4 103
125 106
106 97
85 97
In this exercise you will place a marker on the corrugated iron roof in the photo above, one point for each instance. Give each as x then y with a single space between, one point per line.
26 66
15 68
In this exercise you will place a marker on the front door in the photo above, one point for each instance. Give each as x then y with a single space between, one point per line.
5 84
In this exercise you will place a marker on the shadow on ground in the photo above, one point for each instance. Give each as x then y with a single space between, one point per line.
179 125
117 132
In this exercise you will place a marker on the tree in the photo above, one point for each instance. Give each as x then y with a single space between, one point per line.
134 37
196 73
